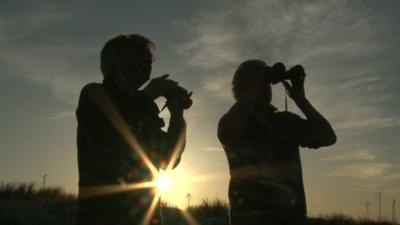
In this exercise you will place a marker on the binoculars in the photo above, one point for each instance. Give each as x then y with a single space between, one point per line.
278 73
180 95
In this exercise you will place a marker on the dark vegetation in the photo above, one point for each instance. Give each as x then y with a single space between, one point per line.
30 192
209 212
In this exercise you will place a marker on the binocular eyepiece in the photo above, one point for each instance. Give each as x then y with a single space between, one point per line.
278 73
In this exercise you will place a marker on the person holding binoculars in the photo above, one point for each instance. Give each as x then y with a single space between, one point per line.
118 127
262 145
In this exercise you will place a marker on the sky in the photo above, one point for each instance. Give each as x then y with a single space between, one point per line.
50 49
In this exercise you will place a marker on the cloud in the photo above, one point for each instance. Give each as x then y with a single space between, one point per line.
38 46
394 176
270 29
363 170
360 155
354 111
63 115
28 20
340 43
218 86
55 67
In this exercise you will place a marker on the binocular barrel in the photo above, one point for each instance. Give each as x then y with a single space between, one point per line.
278 73
181 95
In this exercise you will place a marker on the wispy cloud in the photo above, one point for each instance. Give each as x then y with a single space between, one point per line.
29 19
363 170
218 86
271 30
361 164
393 176
34 51
63 115
359 155
53 67
339 46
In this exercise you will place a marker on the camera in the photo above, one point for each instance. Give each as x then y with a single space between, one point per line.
180 95
278 73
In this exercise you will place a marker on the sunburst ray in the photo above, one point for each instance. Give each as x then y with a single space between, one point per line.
94 191
106 105
177 150
189 218
151 209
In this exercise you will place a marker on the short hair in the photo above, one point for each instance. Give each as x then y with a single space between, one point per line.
244 74
121 46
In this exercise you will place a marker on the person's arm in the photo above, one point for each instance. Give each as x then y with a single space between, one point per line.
171 143
158 86
175 137
91 139
320 133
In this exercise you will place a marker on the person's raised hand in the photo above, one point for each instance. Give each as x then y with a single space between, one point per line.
159 86
295 88
178 99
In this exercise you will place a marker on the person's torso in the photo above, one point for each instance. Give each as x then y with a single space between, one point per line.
265 168
115 152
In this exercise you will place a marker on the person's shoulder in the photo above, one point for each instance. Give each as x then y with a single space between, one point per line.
91 87
87 92
85 102
222 121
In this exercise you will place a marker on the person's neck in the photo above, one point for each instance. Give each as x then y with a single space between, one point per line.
264 114
121 89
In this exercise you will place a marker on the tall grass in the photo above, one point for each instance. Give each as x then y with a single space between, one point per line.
213 211
218 211
29 191
339 219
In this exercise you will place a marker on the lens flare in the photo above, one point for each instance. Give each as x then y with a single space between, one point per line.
164 181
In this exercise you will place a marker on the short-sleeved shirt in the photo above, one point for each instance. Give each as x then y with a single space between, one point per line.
265 166
105 157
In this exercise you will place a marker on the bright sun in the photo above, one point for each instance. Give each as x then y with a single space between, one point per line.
164 181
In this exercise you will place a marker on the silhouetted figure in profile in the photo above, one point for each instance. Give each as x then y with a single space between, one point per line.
262 145
108 162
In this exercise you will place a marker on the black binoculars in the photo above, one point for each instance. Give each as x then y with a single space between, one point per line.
278 73
181 95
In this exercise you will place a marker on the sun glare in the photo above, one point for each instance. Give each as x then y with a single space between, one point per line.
164 181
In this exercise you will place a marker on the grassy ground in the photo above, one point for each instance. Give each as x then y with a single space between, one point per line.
216 212
26 204
30 192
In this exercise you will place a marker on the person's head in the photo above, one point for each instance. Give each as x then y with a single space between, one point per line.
245 75
126 60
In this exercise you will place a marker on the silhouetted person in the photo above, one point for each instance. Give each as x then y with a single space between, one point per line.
107 160
262 146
